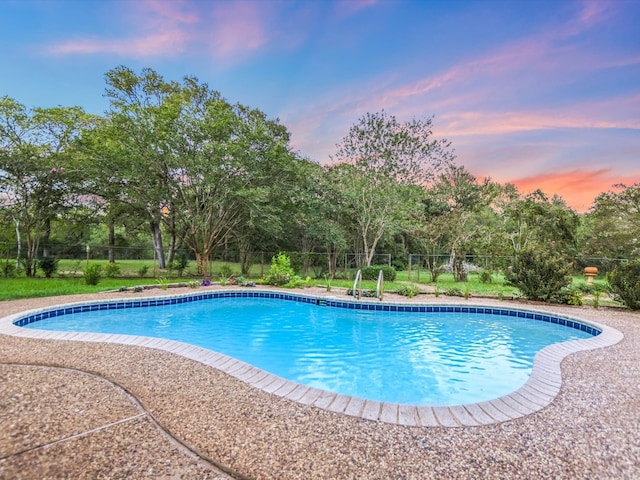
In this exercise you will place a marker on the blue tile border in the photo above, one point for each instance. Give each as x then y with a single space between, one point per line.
323 301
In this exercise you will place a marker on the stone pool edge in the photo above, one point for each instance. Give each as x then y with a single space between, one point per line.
539 391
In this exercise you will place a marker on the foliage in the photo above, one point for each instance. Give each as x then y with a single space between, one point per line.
625 284
455 217
281 272
486 276
372 272
192 161
49 265
535 222
143 270
408 290
9 268
92 274
226 271
540 275
39 176
612 227
112 270
181 262
382 164
454 292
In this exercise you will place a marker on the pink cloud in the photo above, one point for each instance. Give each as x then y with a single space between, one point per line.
171 43
345 8
579 187
159 28
236 28
224 30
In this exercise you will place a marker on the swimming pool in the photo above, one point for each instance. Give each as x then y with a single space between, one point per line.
402 354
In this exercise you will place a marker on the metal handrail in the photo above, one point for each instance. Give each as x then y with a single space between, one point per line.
380 286
357 293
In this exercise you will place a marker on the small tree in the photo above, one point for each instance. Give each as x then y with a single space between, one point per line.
539 275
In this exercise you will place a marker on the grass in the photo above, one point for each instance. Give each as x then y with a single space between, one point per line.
69 281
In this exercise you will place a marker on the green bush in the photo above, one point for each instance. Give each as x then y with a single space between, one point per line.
624 281
92 274
486 276
49 265
181 262
540 276
112 270
372 272
142 271
297 282
570 296
226 271
454 292
280 272
408 290
9 268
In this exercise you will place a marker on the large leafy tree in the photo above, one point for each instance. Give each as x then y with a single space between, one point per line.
40 176
453 216
535 221
614 224
191 160
378 161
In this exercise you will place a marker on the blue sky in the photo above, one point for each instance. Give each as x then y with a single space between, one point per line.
541 93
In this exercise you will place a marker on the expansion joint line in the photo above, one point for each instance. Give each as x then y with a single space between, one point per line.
177 442
75 436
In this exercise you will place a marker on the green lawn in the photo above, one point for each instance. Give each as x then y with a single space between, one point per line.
68 280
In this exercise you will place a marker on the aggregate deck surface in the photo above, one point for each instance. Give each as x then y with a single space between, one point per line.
74 409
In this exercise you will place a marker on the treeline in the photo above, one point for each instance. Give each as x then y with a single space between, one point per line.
177 163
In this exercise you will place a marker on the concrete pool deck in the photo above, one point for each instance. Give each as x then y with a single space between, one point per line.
75 409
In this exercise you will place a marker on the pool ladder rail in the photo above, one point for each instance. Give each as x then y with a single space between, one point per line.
357 286
380 286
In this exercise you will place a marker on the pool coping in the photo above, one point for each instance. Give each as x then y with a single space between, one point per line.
539 391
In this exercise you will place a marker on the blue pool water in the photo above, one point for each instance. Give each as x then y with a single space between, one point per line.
428 358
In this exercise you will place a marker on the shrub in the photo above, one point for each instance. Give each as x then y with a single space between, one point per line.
180 263
486 276
9 268
570 296
454 292
539 276
92 274
48 265
280 272
142 271
296 282
624 281
226 271
112 270
408 290
372 272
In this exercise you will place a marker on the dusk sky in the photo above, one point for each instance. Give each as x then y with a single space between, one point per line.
540 93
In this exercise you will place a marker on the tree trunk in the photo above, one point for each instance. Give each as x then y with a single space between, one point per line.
332 261
157 241
202 262
112 240
19 239
46 237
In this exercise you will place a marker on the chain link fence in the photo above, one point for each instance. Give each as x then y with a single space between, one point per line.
419 266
